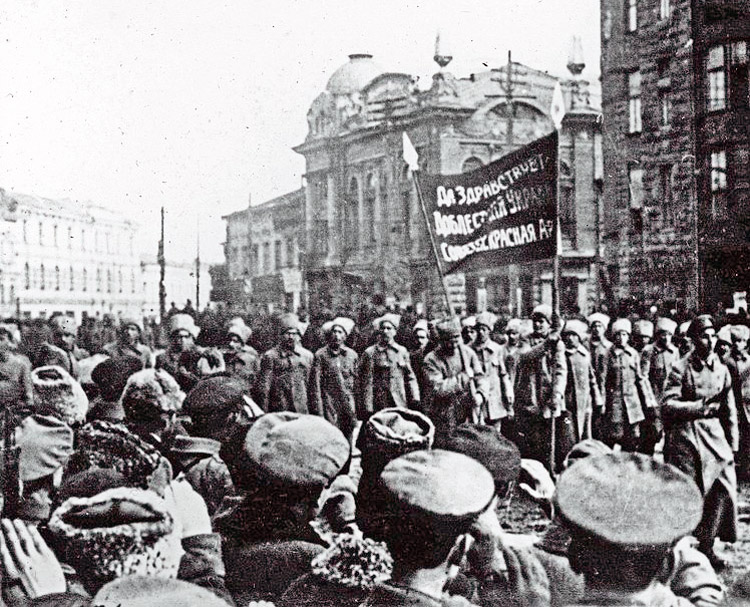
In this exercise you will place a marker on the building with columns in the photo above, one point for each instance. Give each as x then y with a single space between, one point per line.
365 231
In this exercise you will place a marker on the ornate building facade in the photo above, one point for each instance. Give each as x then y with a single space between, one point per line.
365 229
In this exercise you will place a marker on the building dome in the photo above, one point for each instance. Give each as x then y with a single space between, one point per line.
353 76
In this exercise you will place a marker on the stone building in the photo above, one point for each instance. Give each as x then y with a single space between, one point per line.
179 284
675 133
263 247
365 230
70 257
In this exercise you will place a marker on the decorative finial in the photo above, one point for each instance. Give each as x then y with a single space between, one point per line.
576 62
442 54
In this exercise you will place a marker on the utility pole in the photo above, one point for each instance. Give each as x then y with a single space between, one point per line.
508 84
197 265
162 272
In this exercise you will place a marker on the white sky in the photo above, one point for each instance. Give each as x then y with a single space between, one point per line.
194 105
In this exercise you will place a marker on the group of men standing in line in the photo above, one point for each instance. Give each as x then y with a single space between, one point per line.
544 386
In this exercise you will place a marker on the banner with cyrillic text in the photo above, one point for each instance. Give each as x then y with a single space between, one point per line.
502 213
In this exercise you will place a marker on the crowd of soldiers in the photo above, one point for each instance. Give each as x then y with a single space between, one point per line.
372 472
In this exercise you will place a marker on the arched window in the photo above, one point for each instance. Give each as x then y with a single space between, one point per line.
471 164
26 276
41 276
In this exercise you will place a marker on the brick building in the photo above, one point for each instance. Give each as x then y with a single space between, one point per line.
675 133
365 230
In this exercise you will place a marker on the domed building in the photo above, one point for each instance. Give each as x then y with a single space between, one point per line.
365 230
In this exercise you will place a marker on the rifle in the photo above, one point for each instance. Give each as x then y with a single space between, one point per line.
11 482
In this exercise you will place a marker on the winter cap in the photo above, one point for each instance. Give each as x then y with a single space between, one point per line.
599 317
448 489
149 393
622 324
45 444
486 319
393 319
183 322
666 324
218 394
86 368
543 311
392 432
57 393
469 321
240 329
290 322
347 324
116 533
495 452
64 323
448 328
644 328
578 327
12 330
126 322
725 334
293 450
586 448
514 325
628 500
422 325
104 445
111 375
685 327
147 591
700 324
740 332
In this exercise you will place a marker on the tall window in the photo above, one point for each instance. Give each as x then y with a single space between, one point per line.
42 281
256 261
54 235
83 239
84 280
634 103
132 281
25 231
739 84
665 189
717 87
370 196
719 192
277 255
635 187
119 280
665 106
41 233
70 237
98 280
109 281
665 9
351 216
266 257
57 278
632 15
471 164
26 276
72 279
290 261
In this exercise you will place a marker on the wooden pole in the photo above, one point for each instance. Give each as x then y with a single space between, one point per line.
162 272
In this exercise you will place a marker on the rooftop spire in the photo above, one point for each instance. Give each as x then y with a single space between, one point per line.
442 54
576 62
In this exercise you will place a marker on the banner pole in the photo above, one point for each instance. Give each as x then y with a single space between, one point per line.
415 178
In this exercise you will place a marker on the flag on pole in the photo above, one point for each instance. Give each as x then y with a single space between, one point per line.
411 157
557 109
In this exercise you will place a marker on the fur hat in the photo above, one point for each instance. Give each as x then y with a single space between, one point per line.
739 332
666 324
130 322
104 445
180 322
290 322
543 311
486 319
421 325
57 393
599 317
217 394
11 328
622 324
644 328
699 324
45 445
393 319
116 533
469 321
577 327
240 329
448 328
725 334
149 393
86 368
64 323
146 591
347 324
392 432
111 375
514 325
